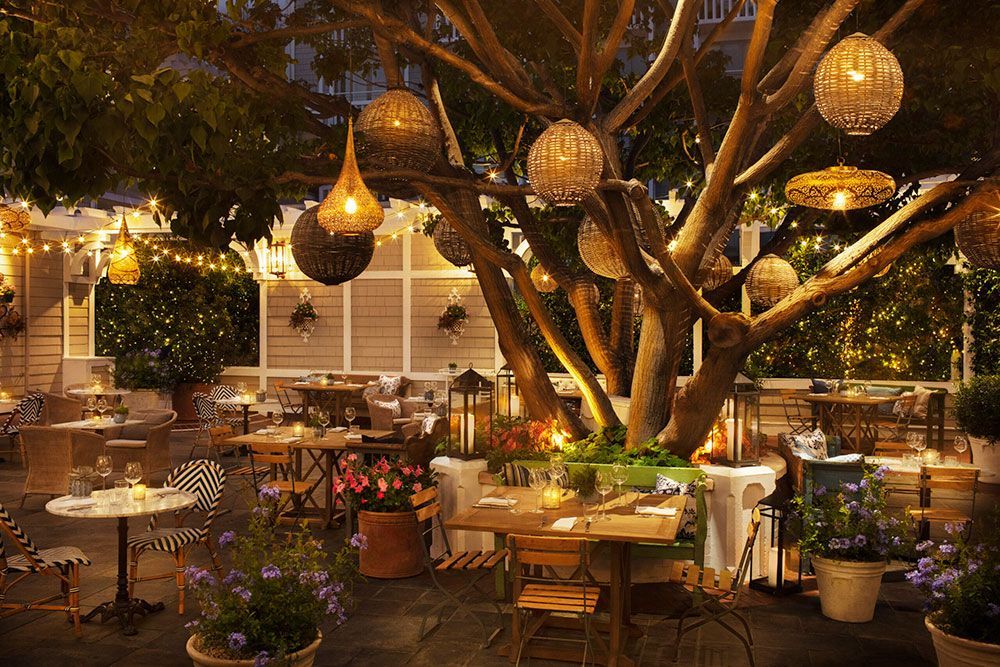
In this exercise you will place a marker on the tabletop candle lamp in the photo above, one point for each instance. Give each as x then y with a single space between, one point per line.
551 496
298 429
138 492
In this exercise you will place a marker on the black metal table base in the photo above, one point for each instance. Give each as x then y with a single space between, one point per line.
124 611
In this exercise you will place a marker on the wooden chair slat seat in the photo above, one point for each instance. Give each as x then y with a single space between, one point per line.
946 514
574 599
294 487
689 574
470 560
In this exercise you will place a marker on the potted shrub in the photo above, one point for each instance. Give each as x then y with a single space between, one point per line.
269 606
962 592
380 493
120 414
584 482
977 412
849 535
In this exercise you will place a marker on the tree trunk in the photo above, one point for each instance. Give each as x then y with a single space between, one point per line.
623 335
649 409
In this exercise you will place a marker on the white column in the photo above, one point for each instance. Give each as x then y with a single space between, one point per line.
262 287
347 326
407 303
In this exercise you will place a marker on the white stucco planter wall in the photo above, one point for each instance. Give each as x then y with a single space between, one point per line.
459 489
735 493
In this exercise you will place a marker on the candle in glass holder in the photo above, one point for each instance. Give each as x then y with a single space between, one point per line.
298 429
4 395
247 399
138 492
96 417
551 496
324 381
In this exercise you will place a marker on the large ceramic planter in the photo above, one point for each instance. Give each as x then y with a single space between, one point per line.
986 456
954 651
183 400
848 590
301 658
394 548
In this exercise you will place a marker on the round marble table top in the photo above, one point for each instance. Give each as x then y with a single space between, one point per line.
157 500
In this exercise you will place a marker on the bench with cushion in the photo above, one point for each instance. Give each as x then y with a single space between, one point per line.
814 459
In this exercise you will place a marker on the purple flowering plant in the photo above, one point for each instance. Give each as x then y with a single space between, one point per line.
279 591
853 522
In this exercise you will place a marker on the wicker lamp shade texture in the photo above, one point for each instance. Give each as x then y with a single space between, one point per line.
396 131
858 85
978 237
124 266
14 218
542 281
840 188
565 163
718 274
770 280
329 258
597 252
450 244
350 208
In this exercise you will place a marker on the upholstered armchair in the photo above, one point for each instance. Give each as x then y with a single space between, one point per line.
148 442
385 414
60 409
52 453
419 445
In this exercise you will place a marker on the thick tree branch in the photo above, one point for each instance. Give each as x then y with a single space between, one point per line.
497 54
781 150
560 21
291 32
704 137
482 187
609 51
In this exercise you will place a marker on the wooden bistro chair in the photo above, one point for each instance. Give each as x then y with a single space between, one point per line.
717 594
63 563
895 427
482 564
208 415
291 408
207 481
280 459
958 484
798 412
541 590
248 473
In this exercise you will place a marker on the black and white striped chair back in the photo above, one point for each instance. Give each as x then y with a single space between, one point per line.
203 478
204 407
30 408
223 391
11 528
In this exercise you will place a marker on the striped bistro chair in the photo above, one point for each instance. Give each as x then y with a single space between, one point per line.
209 417
28 411
206 480
224 391
63 563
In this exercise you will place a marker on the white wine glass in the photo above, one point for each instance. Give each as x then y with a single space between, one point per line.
324 418
276 418
102 406
103 466
133 472
537 479
604 486
619 475
350 414
961 443
91 403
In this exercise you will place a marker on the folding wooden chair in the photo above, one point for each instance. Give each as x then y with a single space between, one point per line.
63 563
719 593
290 408
959 484
895 428
798 412
208 417
248 473
482 563
280 459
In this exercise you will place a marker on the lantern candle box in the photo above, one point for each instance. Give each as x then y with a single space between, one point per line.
138 492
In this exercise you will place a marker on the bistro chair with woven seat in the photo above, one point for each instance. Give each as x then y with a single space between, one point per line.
481 564
959 485
28 411
798 412
209 417
290 408
207 481
717 593
63 563
280 460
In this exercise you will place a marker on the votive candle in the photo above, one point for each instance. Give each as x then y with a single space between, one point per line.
138 492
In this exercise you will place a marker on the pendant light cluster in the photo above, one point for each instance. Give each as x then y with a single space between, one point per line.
326 257
124 266
770 280
565 163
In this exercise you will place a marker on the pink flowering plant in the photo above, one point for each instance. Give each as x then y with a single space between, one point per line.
383 486
280 589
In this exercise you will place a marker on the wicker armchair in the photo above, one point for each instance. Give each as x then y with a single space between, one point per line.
148 442
52 453
60 409
384 418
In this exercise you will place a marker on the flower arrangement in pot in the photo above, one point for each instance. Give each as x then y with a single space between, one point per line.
120 414
380 493
850 535
269 607
977 412
304 316
453 317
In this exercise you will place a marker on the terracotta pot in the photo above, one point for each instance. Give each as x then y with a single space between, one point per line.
954 651
987 457
848 590
183 400
301 658
394 548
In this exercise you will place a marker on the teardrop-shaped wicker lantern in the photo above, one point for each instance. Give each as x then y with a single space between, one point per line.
450 244
718 274
840 188
978 237
542 281
770 280
124 266
565 163
350 208
858 85
597 252
326 257
14 217
396 131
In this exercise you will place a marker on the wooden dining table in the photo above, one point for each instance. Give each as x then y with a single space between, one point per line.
623 529
339 392
850 417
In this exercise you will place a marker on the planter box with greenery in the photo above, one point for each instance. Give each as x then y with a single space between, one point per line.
977 412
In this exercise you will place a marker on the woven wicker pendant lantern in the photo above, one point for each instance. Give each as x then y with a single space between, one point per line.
840 188
450 244
124 266
978 237
718 274
14 218
326 257
770 280
542 281
350 208
858 85
565 163
597 252
396 131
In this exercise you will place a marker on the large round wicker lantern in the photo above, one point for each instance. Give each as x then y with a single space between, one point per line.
14 218
858 85
124 266
396 131
597 252
840 188
350 208
565 163
326 257
542 281
770 280
450 244
718 274
978 237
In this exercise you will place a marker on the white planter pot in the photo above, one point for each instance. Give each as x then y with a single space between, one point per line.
954 651
848 590
987 457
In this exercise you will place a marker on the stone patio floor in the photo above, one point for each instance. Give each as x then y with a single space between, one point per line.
382 628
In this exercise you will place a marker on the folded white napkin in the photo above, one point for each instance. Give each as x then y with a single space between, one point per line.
353 436
264 431
338 429
497 502
565 524
302 382
291 439
656 511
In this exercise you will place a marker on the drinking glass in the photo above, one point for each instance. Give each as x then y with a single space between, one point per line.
103 466
91 403
121 491
911 441
589 512
349 414
324 419
537 480
961 443
512 505
133 472
619 475
343 378
920 442
276 418
102 406
604 486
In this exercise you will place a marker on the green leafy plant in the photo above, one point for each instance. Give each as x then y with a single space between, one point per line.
584 481
977 407
303 314
607 445
452 316
518 439
141 369
121 410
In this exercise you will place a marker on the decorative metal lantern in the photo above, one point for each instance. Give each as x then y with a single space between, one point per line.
276 259
720 271
738 443
784 564
978 237
597 252
328 258
396 131
840 188
508 398
542 281
350 208
565 163
770 280
450 244
124 266
858 85
14 218
470 413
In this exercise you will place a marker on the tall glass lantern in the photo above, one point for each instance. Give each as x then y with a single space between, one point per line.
470 412
740 419
508 398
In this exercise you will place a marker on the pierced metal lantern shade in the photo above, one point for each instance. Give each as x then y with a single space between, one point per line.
840 188
597 252
978 237
329 258
720 271
124 266
396 131
450 244
770 280
565 163
858 85
350 208
542 281
14 218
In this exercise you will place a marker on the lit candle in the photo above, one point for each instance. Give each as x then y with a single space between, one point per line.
551 496
247 398
515 406
298 429
4 396
138 492
734 438
772 568
324 381
467 432
96 417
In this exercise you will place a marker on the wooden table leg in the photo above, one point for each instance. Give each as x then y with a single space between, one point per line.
618 620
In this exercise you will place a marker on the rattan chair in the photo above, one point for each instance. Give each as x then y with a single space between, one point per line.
27 411
52 453
798 412
960 485
59 409
147 442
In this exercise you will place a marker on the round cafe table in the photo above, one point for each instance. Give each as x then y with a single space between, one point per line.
123 607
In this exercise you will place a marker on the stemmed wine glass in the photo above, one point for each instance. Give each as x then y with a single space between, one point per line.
619 475
276 418
133 472
961 443
605 484
103 466
324 419
537 480
349 414
91 404
102 406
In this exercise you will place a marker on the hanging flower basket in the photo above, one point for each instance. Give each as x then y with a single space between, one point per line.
453 317
304 316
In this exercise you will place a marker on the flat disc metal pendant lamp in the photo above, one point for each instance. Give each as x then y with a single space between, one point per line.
350 208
